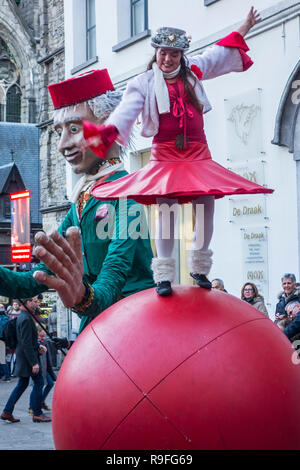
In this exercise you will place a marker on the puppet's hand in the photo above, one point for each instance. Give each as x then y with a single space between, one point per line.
63 257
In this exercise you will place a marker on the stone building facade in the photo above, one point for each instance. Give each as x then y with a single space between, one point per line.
33 32
54 204
31 57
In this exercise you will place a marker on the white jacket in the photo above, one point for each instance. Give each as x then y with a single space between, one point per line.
139 96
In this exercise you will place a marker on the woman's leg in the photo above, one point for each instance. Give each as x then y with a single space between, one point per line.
164 265
200 259
165 232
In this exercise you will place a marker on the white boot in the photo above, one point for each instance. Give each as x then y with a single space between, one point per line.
163 274
200 262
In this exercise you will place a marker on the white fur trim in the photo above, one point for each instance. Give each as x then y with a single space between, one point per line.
200 261
163 269
161 90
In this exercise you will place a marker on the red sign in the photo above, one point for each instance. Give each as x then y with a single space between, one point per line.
20 227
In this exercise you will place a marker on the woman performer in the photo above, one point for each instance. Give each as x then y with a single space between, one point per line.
172 100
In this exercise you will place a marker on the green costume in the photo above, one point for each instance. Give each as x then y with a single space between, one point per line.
116 264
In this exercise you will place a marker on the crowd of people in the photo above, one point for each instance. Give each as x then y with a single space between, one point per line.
33 358
287 316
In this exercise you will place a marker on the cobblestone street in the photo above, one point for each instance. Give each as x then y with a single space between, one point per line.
25 435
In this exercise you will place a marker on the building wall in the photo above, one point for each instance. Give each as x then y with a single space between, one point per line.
19 141
51 59
20 40
34 31
274 47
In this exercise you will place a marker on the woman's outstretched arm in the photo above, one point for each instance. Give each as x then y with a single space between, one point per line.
252 19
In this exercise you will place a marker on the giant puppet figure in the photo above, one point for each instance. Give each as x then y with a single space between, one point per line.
92 271
172 100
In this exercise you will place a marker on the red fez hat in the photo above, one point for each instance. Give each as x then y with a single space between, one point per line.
80 88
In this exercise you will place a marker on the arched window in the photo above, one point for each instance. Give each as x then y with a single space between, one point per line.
10 90
2 102
13 104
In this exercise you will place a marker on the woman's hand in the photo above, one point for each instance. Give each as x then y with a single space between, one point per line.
95 141
252 19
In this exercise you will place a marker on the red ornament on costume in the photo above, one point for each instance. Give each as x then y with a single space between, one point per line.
197 370
196 71
80 88
108 135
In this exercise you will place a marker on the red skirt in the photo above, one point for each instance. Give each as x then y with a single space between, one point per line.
178 174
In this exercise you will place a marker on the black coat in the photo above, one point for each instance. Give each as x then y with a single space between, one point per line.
27 351
283 301
293 328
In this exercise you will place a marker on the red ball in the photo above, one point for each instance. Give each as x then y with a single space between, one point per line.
197 370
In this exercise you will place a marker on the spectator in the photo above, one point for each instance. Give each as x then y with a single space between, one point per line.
52 328
27 365
290 293
37 310
52 321
293 328
284 322
46 369
218 284
4 371
15 310
250 294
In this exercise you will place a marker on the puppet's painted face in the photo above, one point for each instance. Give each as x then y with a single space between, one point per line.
69 126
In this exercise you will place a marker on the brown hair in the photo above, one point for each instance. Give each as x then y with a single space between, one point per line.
184 74
255 290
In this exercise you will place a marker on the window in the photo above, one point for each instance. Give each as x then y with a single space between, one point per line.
13 104
132 22
6 207
10 91
138 18
90 29
84 28
208 2
2 102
